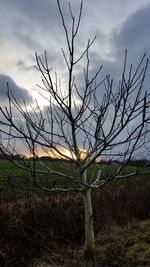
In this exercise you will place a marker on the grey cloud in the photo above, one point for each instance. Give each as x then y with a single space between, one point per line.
30 22
20 93
24 20
133 35
37 24
23 66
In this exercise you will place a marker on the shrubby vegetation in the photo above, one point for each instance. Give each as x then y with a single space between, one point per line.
38 227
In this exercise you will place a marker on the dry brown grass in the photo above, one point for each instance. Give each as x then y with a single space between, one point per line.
52 226
127 246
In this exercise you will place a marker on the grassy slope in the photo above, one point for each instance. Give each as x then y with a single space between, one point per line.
129 246
116 247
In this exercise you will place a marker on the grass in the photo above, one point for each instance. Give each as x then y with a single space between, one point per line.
117 246
16 182
39 228
129 246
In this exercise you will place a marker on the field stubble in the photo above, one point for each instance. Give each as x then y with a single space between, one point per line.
50 228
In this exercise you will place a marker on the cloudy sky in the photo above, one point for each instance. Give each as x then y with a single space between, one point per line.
29 26
33 26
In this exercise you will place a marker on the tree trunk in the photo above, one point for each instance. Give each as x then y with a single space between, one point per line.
89 229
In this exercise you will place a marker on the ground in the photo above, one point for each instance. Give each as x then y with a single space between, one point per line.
118 246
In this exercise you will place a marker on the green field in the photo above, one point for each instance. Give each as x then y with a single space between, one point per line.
17 182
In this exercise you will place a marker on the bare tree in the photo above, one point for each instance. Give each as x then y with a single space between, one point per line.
90 127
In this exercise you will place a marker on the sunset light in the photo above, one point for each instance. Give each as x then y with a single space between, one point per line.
64 153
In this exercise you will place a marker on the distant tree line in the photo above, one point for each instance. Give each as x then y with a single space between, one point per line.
133 162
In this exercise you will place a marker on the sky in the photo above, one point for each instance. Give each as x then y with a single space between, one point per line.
33 26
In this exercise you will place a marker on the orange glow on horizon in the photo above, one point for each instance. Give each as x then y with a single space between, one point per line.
63 153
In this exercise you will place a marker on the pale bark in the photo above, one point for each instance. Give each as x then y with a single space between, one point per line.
89 229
